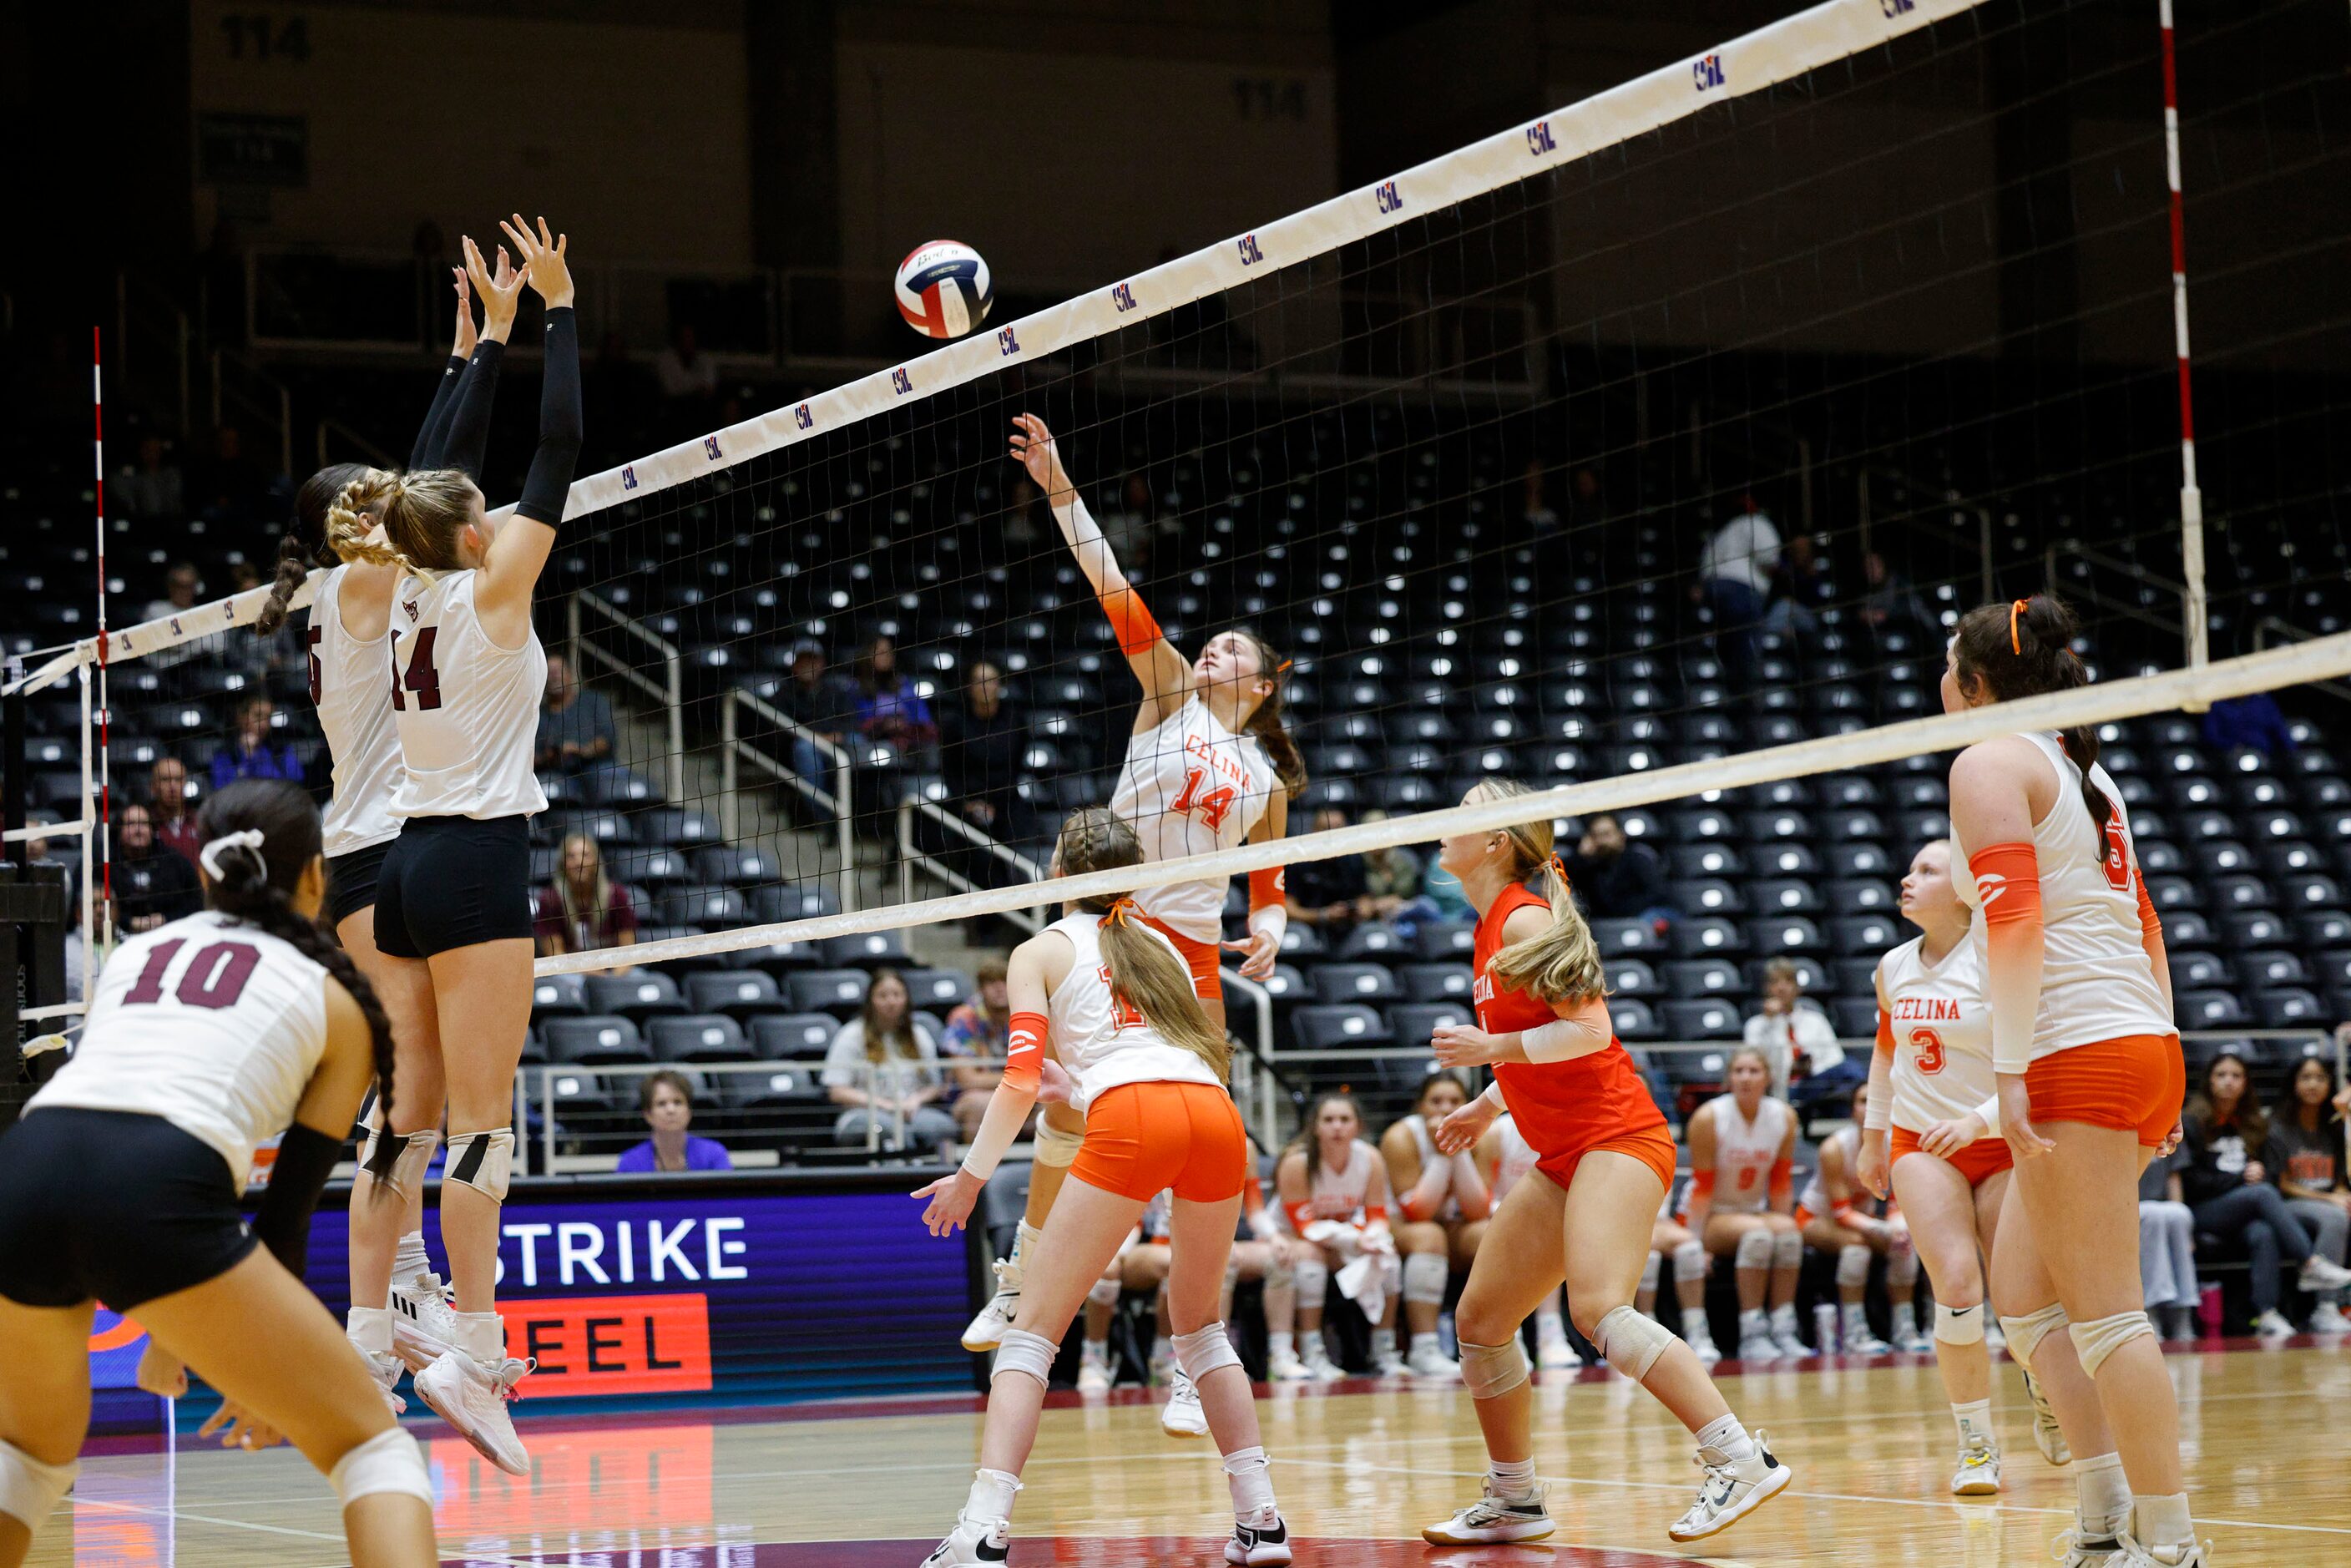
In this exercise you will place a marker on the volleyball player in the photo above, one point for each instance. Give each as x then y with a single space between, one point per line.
205 1036
1583 1214
1742 1149
1835 1215
399 1314
1333 1190
1208 766
1504 1157
1110 1001
1671 1242
453 896
1443 1202
2088 1073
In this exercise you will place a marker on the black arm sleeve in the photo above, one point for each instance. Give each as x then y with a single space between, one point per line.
436 417
468 430
549 482
306 1158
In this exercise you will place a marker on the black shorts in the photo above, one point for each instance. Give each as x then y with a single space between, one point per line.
452 881
113 1204
351 878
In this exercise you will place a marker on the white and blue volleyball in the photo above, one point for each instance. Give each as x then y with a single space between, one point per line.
944 290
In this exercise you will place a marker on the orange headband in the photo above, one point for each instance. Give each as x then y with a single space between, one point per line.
2015 644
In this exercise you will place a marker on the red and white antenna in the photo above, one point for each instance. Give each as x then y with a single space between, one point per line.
2191 497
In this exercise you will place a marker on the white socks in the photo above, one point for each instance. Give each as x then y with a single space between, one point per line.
1382 1344
1550 1327
1783 1318
1513 1480
1725 1436
1906 1321
483 1336
1855 1320
1754 1323
1281 1344
1028 1236
409 1260
1974 1421
991 1495
1694 1327
370 1328
1253 1484
2162 1523
2105 1506
1421 1341
1098 1350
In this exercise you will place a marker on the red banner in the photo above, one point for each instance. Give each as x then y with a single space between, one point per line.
612 1345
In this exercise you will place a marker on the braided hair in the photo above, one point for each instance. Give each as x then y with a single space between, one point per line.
255 884
2020 649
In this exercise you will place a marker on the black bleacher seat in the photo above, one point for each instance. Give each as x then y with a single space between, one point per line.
2292 1007
1616 937
1412 1024
1699 1021
1855 894
777 1108
739 993
2265 968
1435 982
1706 895
1301 941
1371 983
939 990
1286 984
1634 1017
2246 929
1438 940
1857 859
781 1036
655 867
590 1040
2323 927
1373 942
582 1100
840 992
1707 936
1855 1018
619 788
558 995
1692 979
2196 971
699 1037
704 907
1338 1028
677 827
1780 934
1810 974
1856 935
1695 860
868 949
1631 977
734 865
2210 1009
1785 895
636 997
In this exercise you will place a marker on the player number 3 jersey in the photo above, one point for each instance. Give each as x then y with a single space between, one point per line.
1942 1031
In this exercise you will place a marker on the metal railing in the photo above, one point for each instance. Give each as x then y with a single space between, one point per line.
335 432
912 858
669 691
835 803
2081 592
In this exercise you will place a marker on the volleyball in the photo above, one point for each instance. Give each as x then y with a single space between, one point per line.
944 290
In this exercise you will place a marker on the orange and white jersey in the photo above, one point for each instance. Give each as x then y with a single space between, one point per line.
2096 983
1941 1028
1815 1199
1518 1157
1190 787
1101 1040
1342 1193
1417 1126
1745 1152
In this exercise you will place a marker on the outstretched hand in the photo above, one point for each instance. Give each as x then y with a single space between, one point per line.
244 1429
1263 947
952 1196
463 349
500 290
1033 449
1462 1129
544 259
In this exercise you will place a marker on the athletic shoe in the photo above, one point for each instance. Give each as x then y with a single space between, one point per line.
2047 1435
1284 1366
1259 1545
1559 1355
1757 1350
2321 1277
1094 1373
1182 1417
424 1323
1162 1367
2072 1549
1387 1363
472 1398
1492 1519
973 1544
1861 1341
1704 1348
1430 1361
2194 1554
1978 1471
1319 1364
986 1330
1731 1492
1792 1344
1914 1343
2329 1320
2272 1325
385 1369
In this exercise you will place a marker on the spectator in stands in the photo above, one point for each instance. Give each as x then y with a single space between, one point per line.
169 810
883 1071
249 754
1734 576
1330 894
1615 878
575 728
155 489
583 911
1891 604
975 1044
2167 1249
2252 722
1798 586
667 1100
979 754
688 377
1391 880
2234 1193
2306 1150
819 703
151 885
890 711
1790 1029
181 585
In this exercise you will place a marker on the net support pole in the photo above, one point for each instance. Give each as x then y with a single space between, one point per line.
2192 600
92 937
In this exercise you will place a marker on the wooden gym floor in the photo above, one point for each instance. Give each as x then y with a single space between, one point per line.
1360 1466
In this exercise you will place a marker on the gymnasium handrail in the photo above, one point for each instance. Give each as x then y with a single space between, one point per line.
670 690
837 803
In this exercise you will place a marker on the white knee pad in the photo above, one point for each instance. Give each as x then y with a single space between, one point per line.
1787 1250
414 1157
481 1160
1755 1248
30 1489
1313 1277
1104 1294
2101 1337
1028 1353
2025 1333
1652 1271
1425 1274
388 1462
1853 1267
1689 1261
1958 1326
1054 1146
1204 1351
1391 1275
1491 1371
1632 1341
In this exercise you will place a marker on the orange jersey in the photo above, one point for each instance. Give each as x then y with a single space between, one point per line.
1562 1108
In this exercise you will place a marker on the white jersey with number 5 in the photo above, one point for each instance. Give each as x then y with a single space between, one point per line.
350 686
1102 1041
1189 787
468 709
1942 1033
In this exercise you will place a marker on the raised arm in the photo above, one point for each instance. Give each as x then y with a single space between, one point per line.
520 549
468 430
445 391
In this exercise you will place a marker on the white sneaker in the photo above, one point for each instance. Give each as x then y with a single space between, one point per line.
2320 1276
1261 1545
973 1544
1387 1363
2194 1554
472 1398
1430 1361
2072 1549
1704 1348
1861 1339
386 1369
424 1323
2272 1325
1916 1343
1731 1492
1182 1417
1094 1374
1491 1519
1757 1350
1790 1344
1558 1355
1978 1471
1284 1366
1319 1364
2047 1435
2329 1320
986 1330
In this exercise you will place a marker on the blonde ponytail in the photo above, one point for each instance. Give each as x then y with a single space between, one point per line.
1145 972
1563 964
356 512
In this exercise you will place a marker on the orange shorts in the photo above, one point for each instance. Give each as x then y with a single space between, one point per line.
1653 1147
1141 1138
1205 961
2134 1085
1979 1162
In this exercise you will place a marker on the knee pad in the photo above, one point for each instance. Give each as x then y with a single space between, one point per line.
1491 1371
1391 1275
30 1489
1652 1271
2025 1333
1632 1341
1787 1250
388 1462
481 1160
1055 1147
1030 1354
406 1159
1425 1274
1104 1294
2101 1337
1958 1326
1689 1261
1853 1267
1204 1351
1313 1277
1755 1248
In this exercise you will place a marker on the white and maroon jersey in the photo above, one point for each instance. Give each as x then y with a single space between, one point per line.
1518 1157
1942 1033
1816 1196
1745 1152
1189 787
1417 1126
1101 1040
350 686
207 1022
467 710
1340 1194
2096 981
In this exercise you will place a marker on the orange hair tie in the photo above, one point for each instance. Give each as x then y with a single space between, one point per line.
1121 911
2016 643
1283 668
1559 869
